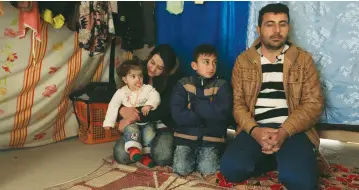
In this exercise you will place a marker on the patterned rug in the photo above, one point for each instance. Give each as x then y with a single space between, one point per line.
113 176
336 177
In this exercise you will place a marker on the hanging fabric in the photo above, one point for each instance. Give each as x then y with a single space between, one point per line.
73 16
135 24
55 12
30 19
60 12
130 25
222 24
149 35
25 6
198 2
95 25
113 5
175 7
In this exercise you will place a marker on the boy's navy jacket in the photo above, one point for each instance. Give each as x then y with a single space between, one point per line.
202 107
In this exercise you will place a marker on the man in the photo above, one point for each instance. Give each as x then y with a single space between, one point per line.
277 101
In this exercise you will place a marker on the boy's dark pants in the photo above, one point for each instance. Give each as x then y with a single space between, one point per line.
295 161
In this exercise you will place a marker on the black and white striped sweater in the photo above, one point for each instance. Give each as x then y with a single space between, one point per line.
271 106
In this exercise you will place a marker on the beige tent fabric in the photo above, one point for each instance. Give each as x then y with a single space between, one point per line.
34 85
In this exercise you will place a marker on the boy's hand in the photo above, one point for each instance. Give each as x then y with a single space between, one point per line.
146 109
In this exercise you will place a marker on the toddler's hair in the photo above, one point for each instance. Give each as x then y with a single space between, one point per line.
123 69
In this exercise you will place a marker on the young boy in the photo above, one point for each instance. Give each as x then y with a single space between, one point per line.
201 105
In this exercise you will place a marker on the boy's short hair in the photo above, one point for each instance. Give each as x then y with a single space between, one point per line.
204 49
273 8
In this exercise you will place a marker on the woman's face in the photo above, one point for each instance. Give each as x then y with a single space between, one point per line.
155 66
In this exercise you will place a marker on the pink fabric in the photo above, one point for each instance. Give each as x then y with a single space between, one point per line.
30 20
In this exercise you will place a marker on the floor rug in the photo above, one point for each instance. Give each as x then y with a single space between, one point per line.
113 176
336 177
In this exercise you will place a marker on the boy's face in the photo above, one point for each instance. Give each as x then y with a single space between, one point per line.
205 66
134 79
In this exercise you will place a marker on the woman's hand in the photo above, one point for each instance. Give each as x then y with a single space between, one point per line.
123 123
131 114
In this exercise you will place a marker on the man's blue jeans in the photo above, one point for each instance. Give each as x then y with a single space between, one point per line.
295 161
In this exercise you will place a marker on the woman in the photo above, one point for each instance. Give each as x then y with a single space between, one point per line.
162 73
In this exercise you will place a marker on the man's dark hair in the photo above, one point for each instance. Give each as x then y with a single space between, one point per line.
204 49
272 8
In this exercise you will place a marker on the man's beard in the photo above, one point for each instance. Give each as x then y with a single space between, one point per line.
270 46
